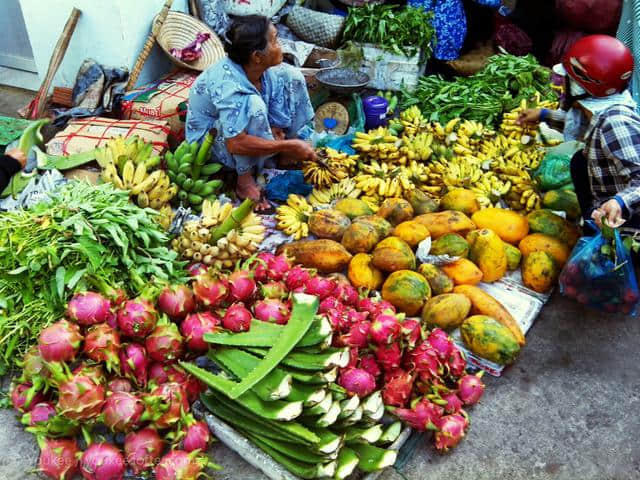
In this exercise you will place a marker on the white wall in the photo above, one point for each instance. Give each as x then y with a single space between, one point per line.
112 32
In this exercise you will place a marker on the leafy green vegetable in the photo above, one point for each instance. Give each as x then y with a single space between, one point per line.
81 237
400 30
485 96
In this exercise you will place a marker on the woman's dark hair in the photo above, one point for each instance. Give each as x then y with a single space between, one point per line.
247 35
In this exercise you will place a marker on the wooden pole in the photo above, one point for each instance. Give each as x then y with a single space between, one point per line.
148 45
193 8
59 51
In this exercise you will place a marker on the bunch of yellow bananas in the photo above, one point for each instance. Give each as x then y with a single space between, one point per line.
417 147
383 180
344 189
525 132
149 188
293 216
379 144
330 167
412 121
241 242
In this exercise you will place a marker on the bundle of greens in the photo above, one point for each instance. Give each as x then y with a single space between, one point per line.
498 87
401 30
83 236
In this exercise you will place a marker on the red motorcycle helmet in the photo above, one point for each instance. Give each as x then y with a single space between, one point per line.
600 64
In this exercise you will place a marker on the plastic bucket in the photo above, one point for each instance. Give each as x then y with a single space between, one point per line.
375 111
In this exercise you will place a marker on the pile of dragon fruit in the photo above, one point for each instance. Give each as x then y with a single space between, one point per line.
103 393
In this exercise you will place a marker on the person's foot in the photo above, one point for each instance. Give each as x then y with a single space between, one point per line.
248 188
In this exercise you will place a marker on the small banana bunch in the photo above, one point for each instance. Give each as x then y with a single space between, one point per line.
293 216
344 189
148 188
379 144
383 180
417 147
489 189
165 216
412 121
524 133
240 242
188 169
330 167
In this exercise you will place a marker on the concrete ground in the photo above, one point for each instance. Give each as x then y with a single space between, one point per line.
567 410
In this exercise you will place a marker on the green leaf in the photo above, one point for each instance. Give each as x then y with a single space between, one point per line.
60 273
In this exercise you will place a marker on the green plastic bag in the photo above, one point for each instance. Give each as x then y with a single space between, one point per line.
555 169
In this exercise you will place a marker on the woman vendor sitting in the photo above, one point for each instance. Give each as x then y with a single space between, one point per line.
256 106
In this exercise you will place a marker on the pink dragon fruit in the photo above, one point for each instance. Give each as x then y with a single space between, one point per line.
237 318
424 359
411 332
112 319
102 461
346 294
297 277
389 356
422 416
456 363
368 305
397 391
142 449
278 267
180 465
32 365
25 396
453 402
58 457
133 361
177 301
80 398
358 335
119 385
276 290
122 412
383 306
320 286
159 374
40 413
195 435
357 382
338 320
88 308
242 286
450 431
165 344
102 344
353 316
193 328
329 304
196 269
369 364
385 329
174 398
441 343
272 310
137 318
354 355
259 265
471 388
91 370
60 342
210 291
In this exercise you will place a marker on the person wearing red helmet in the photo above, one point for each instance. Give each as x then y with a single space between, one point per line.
599 111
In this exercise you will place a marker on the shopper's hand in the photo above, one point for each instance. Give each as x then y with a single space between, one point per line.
18 155
610 210
530 115
301 150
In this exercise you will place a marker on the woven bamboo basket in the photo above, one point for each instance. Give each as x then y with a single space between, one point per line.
179 30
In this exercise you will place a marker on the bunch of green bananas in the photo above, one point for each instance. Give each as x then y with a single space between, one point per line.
186 167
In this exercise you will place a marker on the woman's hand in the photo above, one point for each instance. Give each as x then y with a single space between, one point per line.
610 210
278 133
530 115
18 155
301 150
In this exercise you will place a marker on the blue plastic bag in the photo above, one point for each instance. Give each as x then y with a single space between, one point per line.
600 273
291 181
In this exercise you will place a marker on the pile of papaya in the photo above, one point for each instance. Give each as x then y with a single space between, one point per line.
377 251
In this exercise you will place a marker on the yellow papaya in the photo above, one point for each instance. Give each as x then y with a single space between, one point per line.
395 210
362 273
406 290
353 207
510 226
447 221
411 232
486 250
460 199
438 280
360 237
324 255
539 242
446 311
539 271
488 338
393 254
329 224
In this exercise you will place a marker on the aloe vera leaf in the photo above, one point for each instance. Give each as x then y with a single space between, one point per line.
332 357
309 395
372 403
373 458
60 162
264 334
325 420
391 433
233 220
352 419
275 386
275 410
329 441
339 393
364 434
302 315
348 406
300 469
320 408
32 136
375 416
347 463
293 430
291 449
313 378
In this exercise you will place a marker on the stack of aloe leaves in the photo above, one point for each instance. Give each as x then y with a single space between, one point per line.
277 389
